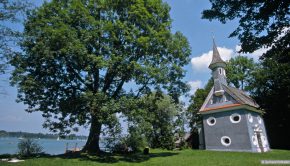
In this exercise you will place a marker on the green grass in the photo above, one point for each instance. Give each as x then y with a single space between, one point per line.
161 157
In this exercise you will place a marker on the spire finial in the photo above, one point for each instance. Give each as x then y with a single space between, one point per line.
216 58
214 45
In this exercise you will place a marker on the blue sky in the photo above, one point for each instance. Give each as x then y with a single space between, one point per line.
186 15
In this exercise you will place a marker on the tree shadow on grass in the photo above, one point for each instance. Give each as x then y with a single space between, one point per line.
114 158
137 158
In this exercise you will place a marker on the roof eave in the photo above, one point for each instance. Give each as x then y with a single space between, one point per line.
243 106
217 64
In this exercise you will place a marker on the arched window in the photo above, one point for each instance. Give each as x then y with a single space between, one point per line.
220 71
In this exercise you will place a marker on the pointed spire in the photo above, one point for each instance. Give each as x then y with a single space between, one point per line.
216 58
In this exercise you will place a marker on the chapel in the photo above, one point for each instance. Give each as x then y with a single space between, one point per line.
232 120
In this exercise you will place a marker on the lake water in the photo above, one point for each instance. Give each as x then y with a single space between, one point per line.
50 146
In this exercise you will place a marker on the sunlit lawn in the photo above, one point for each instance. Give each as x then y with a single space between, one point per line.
162 157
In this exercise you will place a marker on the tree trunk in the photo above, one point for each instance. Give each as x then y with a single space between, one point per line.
92 144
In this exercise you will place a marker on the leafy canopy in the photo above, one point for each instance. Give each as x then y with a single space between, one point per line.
10 14
86 60
154 119
239 71
270 88
196 102
262 24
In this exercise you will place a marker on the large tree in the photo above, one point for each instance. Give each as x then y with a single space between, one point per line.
84 61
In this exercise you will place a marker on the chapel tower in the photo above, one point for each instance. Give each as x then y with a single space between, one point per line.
217 66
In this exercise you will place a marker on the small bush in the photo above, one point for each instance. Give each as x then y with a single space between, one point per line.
130 144
28 147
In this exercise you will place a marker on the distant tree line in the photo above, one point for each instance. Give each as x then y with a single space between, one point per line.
21 134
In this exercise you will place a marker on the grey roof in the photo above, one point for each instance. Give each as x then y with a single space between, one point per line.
240 96
206 100
216 58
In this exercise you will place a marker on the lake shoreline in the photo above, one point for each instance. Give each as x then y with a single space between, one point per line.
8 145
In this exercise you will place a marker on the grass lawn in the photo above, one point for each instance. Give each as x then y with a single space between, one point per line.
162 157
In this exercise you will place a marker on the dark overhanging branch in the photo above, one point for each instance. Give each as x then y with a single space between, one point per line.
96 79
119 87
108 80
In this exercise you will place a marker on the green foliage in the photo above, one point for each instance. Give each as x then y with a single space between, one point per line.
196 102
112 136
261 24
9 17
154 119
28 147
271 88
134 142
79 55
180 122
239 71
136 139
10 14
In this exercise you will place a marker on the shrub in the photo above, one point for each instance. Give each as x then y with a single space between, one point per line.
130 144
28 147
146 150
135 143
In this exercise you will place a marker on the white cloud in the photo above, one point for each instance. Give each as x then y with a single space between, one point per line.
194 85
255 55
201 63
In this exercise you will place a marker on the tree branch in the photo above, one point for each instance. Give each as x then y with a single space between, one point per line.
142 88
96 82
118 89
77 75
